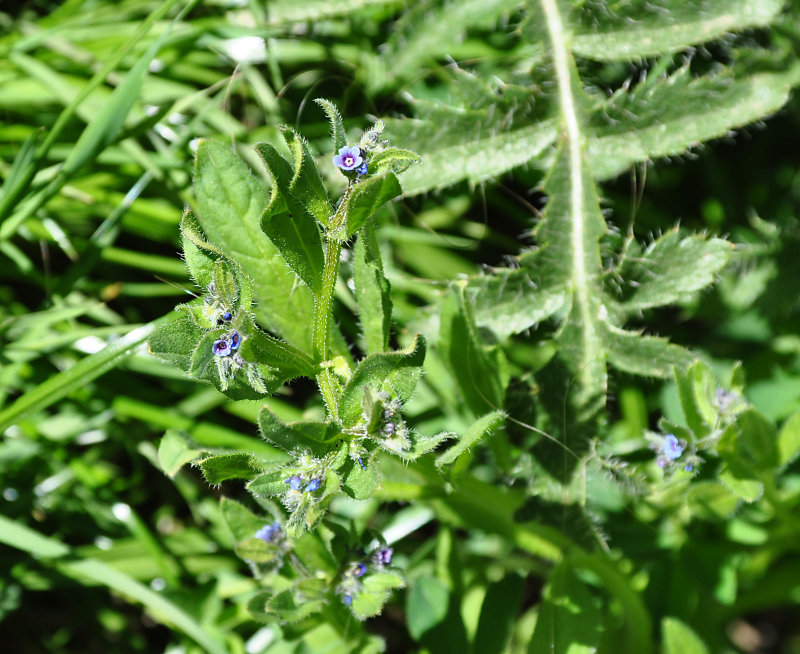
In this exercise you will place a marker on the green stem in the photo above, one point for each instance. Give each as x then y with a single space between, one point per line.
326 380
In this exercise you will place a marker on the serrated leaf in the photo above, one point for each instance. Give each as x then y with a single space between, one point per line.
338 134
480 429
570 620
313 436
673 267
230 202
474 160
680 639
372 291
510 300
655 30
221 467
648 356
287 222
682 114
396 371
174 452
427 603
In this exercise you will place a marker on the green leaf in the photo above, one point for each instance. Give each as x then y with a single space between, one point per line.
174 452
684 380
480 429
294 436
746 488
306 185
510 300
396 372
230 203
338 135
644 355
680 639
395 160
681 113
499 612
375 592
570 620
757 442
291 606
651 31
672 267
447 165
365 197
269 484
426 605
287 361
788 443
200 256
478 369
257 551
176 341
287 222
221 467
242 522
361 483
372 291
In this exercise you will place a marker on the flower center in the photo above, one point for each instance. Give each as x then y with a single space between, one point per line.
349 160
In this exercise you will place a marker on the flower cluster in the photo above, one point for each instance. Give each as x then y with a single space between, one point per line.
308 475
671 452
351 583
271 533
225 347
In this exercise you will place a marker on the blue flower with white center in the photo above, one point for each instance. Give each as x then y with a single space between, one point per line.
313 485
349 158
269 533
671 447
222 348
359 569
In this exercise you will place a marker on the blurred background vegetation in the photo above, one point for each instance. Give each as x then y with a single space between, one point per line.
88 251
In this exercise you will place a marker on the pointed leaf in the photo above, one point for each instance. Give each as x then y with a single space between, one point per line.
306 185
242 522
680 639
372 291
222 467
174 452
294 436
648 356
338 134
426 605
366 197
480 429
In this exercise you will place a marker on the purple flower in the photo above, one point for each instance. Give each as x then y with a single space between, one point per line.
222 348
383 556
235 341
359 569
349 158
362 169
295 482
388 429
269 533
312 485
671 447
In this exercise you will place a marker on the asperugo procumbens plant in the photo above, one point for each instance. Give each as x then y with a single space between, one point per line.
285 249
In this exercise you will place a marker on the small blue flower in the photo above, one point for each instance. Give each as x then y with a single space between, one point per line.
312 485
688 467
349 158
295 482
359 569
221 348
226 316
388 429
269 533
383 556
362 169
235 341
348 599
671 447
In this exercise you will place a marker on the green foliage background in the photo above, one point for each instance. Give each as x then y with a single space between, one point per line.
559 532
